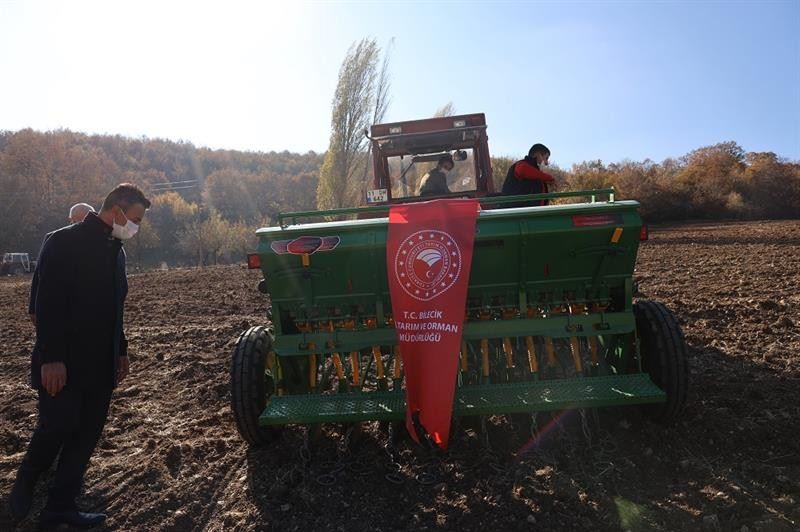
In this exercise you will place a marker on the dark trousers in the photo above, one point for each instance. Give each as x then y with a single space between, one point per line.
71 422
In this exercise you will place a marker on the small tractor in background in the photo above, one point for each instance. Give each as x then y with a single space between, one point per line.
550 321
16 264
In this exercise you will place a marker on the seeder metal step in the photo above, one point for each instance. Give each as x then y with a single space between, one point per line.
529 396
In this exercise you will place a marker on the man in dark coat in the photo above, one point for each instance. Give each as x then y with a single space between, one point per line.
435 182
76 215
526 176
80 353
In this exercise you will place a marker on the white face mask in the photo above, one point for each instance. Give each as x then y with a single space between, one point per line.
124 232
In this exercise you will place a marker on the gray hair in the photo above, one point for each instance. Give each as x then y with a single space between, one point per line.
79 211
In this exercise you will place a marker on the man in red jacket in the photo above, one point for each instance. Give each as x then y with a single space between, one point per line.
526 176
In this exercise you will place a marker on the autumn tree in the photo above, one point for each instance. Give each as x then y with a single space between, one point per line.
447 109
712 174
233 194
382 100
169 215
241 240
773 185
141 246
43 174
206 239
353 108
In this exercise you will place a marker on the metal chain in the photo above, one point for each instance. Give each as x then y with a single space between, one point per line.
359 467
305 451
392 465
587 433
299 473
562 431
343 449
534 425
485 434
489 456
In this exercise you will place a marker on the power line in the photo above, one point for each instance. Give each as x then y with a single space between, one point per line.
173 188
169 183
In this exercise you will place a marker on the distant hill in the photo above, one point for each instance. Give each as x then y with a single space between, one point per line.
43 174
206 203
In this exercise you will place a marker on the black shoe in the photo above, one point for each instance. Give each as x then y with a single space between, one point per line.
21 498
72 518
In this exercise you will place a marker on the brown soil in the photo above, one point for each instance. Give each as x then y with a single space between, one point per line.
171 459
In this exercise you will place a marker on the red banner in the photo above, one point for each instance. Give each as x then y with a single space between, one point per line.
428 255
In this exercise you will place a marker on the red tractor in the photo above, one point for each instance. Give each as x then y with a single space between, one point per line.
400 147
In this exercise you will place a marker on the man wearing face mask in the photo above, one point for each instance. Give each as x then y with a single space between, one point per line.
80 353
526 176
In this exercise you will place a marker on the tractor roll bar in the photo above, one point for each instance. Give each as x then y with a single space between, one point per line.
489 200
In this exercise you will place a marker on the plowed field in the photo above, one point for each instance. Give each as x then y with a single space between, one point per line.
171 459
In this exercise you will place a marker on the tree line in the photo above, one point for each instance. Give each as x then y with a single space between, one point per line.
720 181
206 203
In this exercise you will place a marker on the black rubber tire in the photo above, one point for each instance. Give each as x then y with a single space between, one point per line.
664 357
250 387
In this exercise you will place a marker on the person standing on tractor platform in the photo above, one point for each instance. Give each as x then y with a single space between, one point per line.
435 182
80 353
526 176
76 215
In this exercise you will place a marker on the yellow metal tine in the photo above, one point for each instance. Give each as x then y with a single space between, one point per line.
337 363
485 356
376 352
398 360
592 340
312 369
464 361
575 349
354 363
550 351
533 362
508 350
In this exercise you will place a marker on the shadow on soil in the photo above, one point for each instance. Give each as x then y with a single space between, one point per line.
732 461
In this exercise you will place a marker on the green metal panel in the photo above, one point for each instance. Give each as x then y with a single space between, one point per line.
532 396
535 254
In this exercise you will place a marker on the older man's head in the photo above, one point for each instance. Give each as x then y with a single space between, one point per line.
78 212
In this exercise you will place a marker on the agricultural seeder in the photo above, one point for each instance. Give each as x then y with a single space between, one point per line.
550 322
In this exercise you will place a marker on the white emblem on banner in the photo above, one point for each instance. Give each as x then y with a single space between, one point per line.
427 264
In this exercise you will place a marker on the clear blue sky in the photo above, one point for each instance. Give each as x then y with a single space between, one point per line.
592 80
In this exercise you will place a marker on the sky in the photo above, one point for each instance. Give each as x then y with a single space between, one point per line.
591 80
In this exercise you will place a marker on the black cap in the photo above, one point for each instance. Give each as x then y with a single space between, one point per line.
538 148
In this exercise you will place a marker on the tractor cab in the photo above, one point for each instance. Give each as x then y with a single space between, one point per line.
403 152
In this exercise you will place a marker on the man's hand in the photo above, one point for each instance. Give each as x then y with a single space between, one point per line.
123 368
33 319
54 377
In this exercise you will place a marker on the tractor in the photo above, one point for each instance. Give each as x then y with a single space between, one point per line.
550 321
17 264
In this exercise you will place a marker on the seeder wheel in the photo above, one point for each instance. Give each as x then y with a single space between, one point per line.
664 357
252 384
